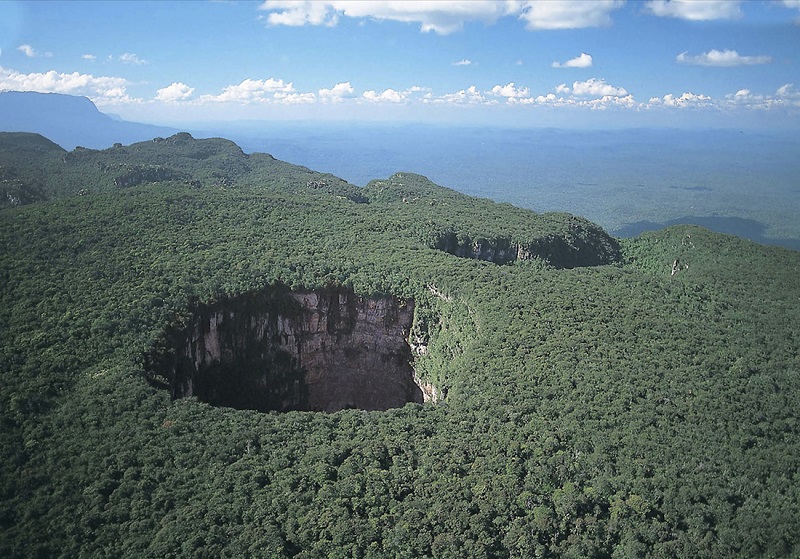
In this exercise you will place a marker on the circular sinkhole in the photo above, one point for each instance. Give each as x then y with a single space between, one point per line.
283 350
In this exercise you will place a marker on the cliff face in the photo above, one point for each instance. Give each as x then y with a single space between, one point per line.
581 243
280 350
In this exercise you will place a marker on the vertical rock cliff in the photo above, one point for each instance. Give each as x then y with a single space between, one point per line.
276 349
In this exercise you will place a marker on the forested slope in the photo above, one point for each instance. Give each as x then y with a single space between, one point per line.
596 400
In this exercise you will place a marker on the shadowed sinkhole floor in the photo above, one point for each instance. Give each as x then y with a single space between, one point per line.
283 350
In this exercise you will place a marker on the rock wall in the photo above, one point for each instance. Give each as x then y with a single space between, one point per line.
281 350
580 244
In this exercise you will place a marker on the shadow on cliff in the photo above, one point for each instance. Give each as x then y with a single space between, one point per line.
741 227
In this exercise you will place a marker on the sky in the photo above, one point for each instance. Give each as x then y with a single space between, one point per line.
575 64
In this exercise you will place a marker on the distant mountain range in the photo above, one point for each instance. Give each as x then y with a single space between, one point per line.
70 121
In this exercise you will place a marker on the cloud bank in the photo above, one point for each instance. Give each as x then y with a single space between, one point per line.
444 16
721 58
101 89
592 93
695 10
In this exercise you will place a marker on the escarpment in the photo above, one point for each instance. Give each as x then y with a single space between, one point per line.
283 350
580 244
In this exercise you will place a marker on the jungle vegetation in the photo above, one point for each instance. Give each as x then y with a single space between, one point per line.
604 398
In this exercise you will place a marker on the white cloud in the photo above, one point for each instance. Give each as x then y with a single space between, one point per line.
510 91
787 90
295 14
685 101
336 93
464 62
786 97
597 87
130 58
439 16
393 96
89 57
444 16
582 61
793 4
695 10
175 92
722 58
30 52
609 101
100 89
568 14
743 99
294 98
387 96
563 88
469 96
251 91
27 50
549 99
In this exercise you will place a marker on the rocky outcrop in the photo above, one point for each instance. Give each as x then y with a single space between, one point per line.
282 350
580 243
137 175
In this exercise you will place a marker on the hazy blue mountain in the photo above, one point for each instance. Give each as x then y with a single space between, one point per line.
70 121
626 180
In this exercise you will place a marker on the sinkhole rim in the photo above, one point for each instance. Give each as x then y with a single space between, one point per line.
278 349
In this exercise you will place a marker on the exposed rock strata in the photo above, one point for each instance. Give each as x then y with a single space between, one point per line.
280 350
583 244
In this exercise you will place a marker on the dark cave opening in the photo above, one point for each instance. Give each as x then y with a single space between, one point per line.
283 350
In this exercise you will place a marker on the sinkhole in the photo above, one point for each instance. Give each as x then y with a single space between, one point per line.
282 350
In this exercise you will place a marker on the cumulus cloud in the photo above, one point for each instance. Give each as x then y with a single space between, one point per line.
785 97
337 93
609 101
387 96
100 89
787 90
130 58
251 91
568 14
444 16
469 96
562 99
439 16
295 14
596 87
685 101
294 98
89 57
175 92
408 95
463 62
582 61
722 58
510 91
695 10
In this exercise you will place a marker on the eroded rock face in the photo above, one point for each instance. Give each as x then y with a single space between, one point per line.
324 350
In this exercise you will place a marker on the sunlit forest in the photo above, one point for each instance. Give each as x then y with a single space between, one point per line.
572 394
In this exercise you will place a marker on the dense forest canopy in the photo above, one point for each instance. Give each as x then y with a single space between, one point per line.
594 397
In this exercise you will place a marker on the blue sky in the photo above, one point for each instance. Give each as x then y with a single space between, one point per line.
578 64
